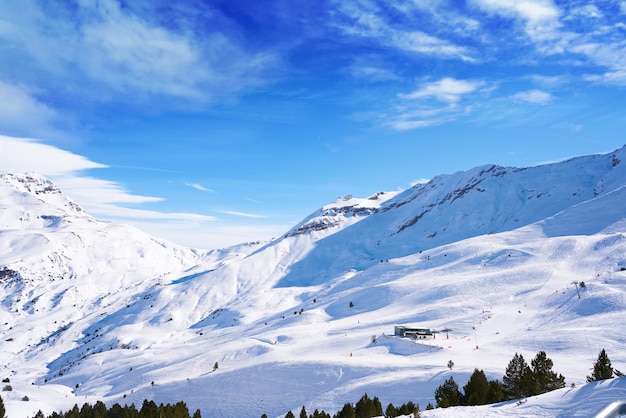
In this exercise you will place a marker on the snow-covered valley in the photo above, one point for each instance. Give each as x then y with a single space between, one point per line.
97 311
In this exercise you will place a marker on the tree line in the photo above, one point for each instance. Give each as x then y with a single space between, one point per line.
519 381
149 409
366 407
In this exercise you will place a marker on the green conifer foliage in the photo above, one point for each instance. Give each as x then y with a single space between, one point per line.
448 394
346 412
602 369
544 379
517 378
367 408
477 389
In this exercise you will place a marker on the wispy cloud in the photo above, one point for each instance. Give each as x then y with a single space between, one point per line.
534 96
366 20
117 51
21 113
242 214
199 187
98 196
23 154
447 89
611 77
540 18
433 103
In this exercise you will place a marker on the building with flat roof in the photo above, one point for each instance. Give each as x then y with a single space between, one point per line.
417 333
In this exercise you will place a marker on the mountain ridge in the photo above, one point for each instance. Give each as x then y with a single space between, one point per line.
103 311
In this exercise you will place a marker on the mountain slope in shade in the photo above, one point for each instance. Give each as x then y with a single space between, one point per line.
490 253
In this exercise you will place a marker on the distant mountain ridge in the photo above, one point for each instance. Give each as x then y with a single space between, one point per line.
97 310
483 200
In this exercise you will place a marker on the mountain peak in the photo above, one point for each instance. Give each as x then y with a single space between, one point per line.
35 190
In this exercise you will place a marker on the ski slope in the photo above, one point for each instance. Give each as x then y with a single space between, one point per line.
308 319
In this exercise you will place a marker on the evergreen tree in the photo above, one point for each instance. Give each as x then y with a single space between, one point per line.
2 410
496 392
448 394
477 389
409 408
115 411
602 369
390 412
290 415
264 416
367 408
346 412
149 409
303 413
73 413
517 378
86 411
99 410
197 414
318 414
544 379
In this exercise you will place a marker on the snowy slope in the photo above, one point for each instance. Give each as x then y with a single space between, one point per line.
490 253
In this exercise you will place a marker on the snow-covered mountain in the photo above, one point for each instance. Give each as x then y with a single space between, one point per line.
99 311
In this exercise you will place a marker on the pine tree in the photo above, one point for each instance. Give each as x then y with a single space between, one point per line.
409 408
2 410
303 413
602 369
477 389
448 394
149 409
544 379
290 415
390 412
517 378
318 414
367 408
496 392
346 412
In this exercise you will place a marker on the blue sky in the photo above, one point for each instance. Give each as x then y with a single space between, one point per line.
216 122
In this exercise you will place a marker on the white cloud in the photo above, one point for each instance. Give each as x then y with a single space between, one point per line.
199 187
404 124
419 111
622 7
22 155
106 49
101 198
549 80
539 17
241 214
22 114
534 96
589 11
366 21
447 89
375 73
422 43
530 10
612 77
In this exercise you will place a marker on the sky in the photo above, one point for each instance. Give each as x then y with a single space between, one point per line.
211 123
